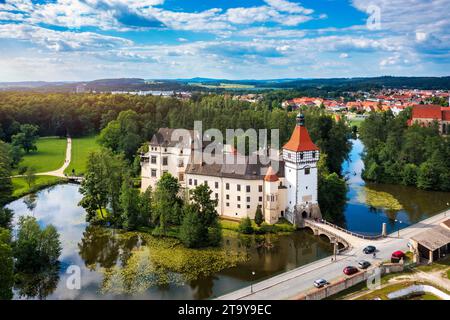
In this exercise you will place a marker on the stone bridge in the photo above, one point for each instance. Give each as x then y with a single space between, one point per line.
343 238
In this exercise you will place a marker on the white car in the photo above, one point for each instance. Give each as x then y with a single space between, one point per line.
319 283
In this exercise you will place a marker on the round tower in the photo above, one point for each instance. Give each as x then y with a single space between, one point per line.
271 197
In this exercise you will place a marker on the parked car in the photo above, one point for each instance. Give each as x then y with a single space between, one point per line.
350 270
369 249
397 256
319 283
363 264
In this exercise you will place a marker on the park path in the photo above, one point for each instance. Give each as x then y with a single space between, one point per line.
60 172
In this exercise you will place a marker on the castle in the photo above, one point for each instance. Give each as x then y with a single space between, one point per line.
241 186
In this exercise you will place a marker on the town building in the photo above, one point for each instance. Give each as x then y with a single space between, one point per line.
433 244
426 115
238 184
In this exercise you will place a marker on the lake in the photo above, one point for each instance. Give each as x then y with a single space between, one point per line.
121 265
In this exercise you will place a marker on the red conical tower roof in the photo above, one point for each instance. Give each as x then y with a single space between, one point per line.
300 139
271 175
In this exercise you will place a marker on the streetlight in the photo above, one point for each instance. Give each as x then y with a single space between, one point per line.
445 212
400 222
251 283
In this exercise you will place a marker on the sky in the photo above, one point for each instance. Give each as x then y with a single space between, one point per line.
76 40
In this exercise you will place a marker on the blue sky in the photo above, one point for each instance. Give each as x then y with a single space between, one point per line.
235 39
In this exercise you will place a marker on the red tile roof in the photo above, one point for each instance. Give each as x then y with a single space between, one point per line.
427 112
270 176
300 140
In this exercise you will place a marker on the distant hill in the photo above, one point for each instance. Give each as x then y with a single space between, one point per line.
219 85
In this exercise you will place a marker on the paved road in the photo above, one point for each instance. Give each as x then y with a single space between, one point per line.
294 282
60 172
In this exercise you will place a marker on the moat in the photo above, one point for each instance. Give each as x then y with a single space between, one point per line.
118 265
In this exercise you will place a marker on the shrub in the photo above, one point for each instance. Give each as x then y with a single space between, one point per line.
245 226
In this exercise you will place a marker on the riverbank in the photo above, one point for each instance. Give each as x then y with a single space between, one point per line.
21 187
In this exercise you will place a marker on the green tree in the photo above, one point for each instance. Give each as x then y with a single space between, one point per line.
6 216
129 201
5 173
332 196
6 265
167 205
102 184
26 138
30 176
193 232
35 248
245 226
259 219
409 174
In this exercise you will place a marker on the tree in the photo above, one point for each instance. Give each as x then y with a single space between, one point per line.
30 176
166 206
6 265
193 232
5 173
259 216
332 196
245 226
129 201
102 184
26 138
6 216
35 249
145 208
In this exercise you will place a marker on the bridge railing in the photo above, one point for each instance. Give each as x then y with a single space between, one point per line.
337 238
355 234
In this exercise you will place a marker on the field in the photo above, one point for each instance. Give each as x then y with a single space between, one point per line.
81 147
50 155
21 187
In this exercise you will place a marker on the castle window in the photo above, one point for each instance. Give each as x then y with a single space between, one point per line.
239 206
301 155
227 204
260 188
314 154
190 182
260 199
248 199
153 172
217 195
164 161
216 185
181 177
195 182
248 188
307 170
228 197
153 161
227 186
238 187
238 198
248 206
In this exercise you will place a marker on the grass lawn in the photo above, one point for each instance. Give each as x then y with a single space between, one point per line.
279 227
50 155
81 147
436 265
382 293
21 187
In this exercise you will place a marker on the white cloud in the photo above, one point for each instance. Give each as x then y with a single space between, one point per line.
343 55
287 6
61 40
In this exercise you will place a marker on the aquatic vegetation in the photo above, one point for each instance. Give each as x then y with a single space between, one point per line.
165 261
378 199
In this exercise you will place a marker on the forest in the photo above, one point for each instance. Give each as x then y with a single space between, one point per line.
409 155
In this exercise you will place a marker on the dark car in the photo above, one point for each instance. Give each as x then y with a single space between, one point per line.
369 249
363 264
350 270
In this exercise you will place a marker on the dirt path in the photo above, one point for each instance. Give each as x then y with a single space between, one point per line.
60 172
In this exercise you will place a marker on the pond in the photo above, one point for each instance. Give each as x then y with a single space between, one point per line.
118 265
370 205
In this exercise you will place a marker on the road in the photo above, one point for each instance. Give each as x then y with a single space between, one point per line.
294 282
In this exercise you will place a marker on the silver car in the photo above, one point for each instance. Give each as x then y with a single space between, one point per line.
319 283
363 264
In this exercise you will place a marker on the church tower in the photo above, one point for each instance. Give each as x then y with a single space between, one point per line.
300 156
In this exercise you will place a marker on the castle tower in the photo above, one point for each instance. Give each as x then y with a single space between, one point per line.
301 155
271 194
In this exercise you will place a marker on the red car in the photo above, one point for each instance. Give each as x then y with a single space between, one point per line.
350 270
398 254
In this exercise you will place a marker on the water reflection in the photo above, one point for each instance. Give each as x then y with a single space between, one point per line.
97 251
361 217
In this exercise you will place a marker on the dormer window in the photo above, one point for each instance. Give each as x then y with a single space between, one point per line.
313 154
301 155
